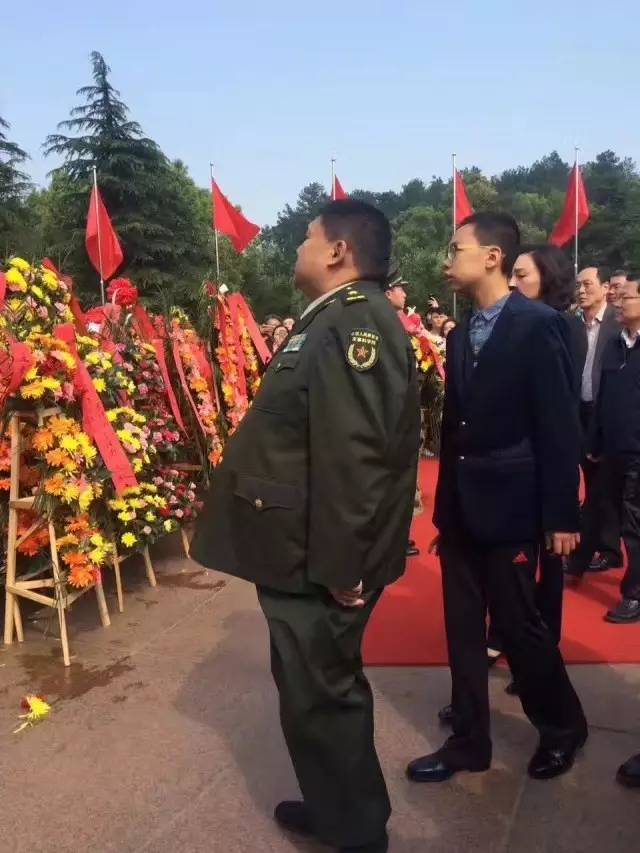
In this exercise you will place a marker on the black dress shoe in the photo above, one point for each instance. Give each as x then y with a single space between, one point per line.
379 846
294 816
629 773
433 768
549 762
412 551
601 563
626 612
445 715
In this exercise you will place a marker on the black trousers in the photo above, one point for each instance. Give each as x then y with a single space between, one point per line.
621 477
548 597
477 577
600 514
326 711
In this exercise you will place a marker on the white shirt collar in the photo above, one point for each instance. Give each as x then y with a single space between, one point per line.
630 340
322 298
600 315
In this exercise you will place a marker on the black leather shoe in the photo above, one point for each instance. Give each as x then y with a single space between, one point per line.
412 551
549 762
603 564
293 816
379 846
629 773
433 768
445 715
626 612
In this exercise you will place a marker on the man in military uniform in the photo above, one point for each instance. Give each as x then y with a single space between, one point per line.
313 503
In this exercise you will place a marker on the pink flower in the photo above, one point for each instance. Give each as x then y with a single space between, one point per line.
179 513
191 496
158 481
146 530
143 389
157 437
173 500
42 312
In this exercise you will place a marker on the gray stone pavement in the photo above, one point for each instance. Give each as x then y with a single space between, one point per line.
163 737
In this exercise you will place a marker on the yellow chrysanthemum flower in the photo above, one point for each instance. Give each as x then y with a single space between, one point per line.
97 556
37 291
92 358
15 304
169 525
117 503
32 391
20 264
128 539
51 384
99 384
71 492
50 281
98 540
150 516
86 499
69 443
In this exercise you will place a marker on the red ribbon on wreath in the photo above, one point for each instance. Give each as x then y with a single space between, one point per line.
94 418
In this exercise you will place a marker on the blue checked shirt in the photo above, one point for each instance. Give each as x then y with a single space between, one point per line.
481 324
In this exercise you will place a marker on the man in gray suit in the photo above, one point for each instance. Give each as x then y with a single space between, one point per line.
600 547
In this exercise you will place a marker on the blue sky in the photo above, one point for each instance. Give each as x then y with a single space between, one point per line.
270 91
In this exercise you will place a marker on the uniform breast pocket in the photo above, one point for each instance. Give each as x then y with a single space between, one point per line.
269 522
282 379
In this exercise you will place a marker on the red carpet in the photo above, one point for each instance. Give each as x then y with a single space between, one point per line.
407 627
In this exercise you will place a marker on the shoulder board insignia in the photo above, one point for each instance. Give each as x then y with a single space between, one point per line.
353 295
363 349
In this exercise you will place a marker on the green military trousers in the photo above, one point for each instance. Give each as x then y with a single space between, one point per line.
326 711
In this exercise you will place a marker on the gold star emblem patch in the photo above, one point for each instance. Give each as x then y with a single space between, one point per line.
363 349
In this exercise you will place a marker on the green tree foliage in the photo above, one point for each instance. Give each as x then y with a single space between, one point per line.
154 205
14 186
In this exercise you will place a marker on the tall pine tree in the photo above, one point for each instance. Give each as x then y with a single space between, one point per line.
14 185
148 198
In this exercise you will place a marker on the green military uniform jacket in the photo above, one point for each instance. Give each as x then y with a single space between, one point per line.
317 484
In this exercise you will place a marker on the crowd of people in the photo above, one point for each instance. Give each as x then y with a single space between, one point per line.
314 498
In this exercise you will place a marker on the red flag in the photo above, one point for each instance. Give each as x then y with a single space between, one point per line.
228 220
566 226
463 205
338 193
100 239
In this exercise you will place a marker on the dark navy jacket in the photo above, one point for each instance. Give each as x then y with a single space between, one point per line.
616 423
510 432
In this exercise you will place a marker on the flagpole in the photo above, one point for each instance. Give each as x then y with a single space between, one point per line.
577 187
215 230
333 179
95 196
453 224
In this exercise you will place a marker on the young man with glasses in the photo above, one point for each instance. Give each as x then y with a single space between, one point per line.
508 474
616 439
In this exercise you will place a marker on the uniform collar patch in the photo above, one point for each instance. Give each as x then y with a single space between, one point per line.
295 343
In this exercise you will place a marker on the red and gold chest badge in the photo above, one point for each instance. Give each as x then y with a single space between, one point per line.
364 349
